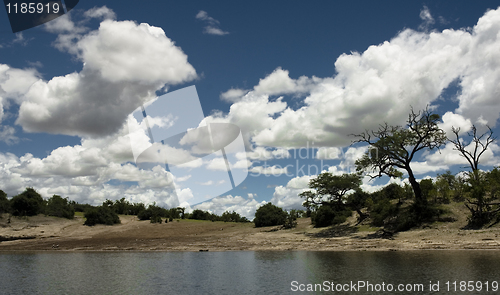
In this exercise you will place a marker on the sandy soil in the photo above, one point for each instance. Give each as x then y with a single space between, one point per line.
55 234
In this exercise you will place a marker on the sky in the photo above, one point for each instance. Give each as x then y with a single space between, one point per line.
297 78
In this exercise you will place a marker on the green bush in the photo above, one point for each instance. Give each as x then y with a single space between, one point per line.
155 219
28 203
4 203
80 207
381 210
326 216
59 207
269 215
153 211
145 214
101 215
232 217
200 215
291 219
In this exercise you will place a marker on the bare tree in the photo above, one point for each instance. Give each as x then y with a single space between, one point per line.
479 147
481 207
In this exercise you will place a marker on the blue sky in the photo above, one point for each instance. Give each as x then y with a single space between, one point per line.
290 74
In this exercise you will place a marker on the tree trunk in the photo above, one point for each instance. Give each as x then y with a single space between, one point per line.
362 216
415 186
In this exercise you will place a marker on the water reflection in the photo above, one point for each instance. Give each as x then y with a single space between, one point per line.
236 272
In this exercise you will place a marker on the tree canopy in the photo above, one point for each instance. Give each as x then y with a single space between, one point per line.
27 203
393 148
269 215
330 189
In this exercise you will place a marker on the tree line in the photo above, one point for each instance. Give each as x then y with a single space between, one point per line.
31 203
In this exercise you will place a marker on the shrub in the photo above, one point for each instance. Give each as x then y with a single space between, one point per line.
136 208
4 203
291 219
155 219
326 216
80 207
59 207
233 217
101 215
269 215
200 215
381 210
145 214
28 203
153 211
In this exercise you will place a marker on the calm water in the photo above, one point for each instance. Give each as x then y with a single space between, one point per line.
245 272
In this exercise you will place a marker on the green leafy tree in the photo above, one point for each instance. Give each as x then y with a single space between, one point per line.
28 203
101 215
393 148
269 215
330 190
153 212
323 216
233 217
4 203
329 197
155 219
428 189
122 206
136 208
59 207
200 215
445 184
357 201
175 213
393 191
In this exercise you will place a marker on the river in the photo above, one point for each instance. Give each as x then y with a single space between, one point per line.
248 272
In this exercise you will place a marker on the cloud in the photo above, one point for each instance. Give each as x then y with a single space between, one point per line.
14 84
217 164
448 156
84 172
454 120
7 134
233 95
64 24
20 39
279 82
377 85
124 64
276 83
287 196
102 12
214 31
480 79
328 153
426 17
263 154
269 170
420 168
212 25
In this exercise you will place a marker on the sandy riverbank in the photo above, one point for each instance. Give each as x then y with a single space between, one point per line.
55 234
